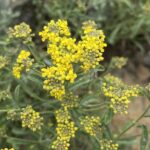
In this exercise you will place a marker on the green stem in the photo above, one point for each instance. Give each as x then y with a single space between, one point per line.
31 49
6 110
46 112
22 140
134 122
134 136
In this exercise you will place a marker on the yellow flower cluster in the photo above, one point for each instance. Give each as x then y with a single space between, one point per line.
12 115
108 145
65 52
7 149
118 62
146 8
91 47
24 63
21 31
91 125
31 119
62 116
119 93
60 144
54 30
65 130
5 94
70 101
55 78
3 61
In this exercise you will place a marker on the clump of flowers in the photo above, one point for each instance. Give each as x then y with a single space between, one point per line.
54 30
2 130
55 78
70 101
24 63
70 72
62 116
21 31
65 52
91 125
65 129
118 62
119 93
4 94
108 145
60 144
12 115
3 61
31 119
146 8
91 46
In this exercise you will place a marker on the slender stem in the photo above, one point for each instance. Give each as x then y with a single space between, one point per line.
134 122
134 136
6 110
23 140
46 112
31 49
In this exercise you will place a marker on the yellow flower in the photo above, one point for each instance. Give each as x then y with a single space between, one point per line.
108 145
17 69
23 56
66 130
3 62
60 144
24 63
21 31
54 30
91 125
118 62
62 116
55 77
91 47
69 101
89 26
5 94
119 93
65 52
31 119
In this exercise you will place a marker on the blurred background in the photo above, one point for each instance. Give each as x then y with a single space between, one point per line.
126 24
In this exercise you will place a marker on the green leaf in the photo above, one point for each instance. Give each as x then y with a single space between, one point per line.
16 92
35 80
114 33
89 99
108 117
19 141
19 132
144 138
80 83
127 141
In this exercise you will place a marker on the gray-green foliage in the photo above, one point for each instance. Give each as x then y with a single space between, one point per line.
122 20
6 15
